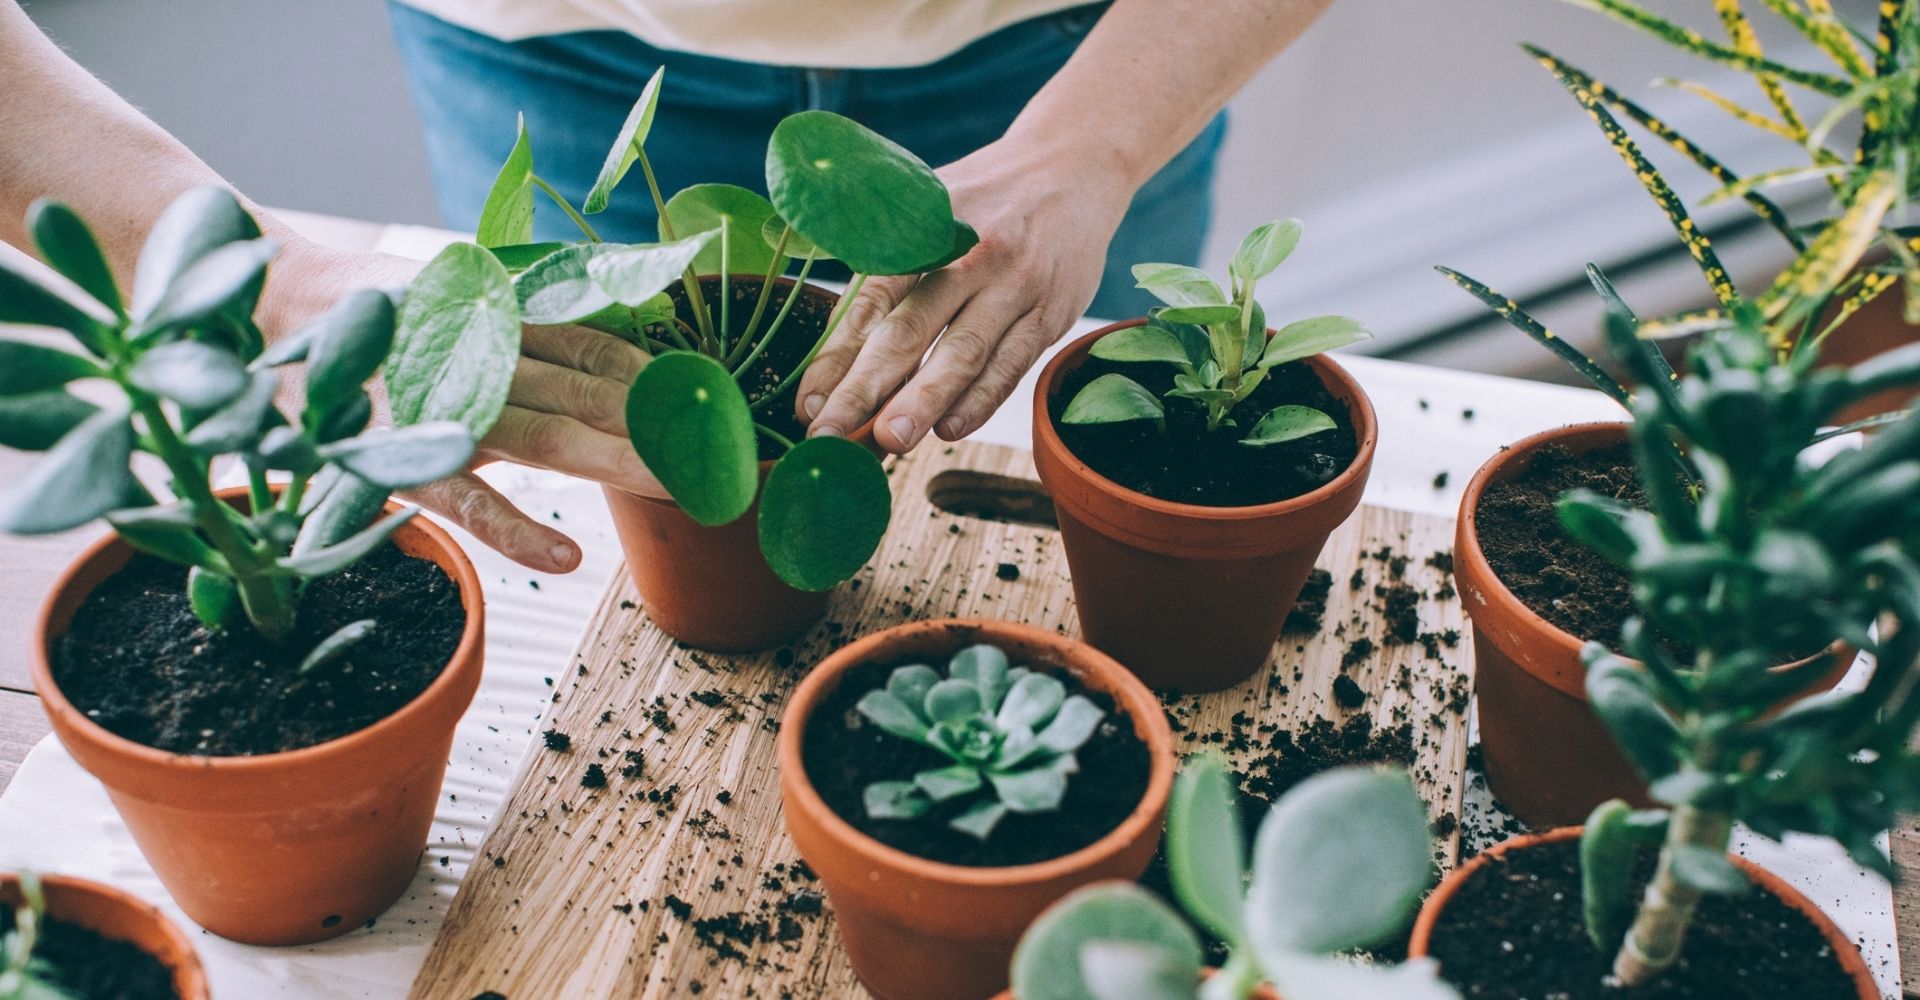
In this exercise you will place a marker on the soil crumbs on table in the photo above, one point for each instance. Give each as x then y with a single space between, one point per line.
1515 931
1190 464
844 753
138 662
91 967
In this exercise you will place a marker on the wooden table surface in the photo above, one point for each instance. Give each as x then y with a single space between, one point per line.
28 568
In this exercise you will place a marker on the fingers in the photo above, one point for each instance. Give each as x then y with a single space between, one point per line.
469 502
893 349
960 358
877 298
1015 354
600 403
563 444
584 350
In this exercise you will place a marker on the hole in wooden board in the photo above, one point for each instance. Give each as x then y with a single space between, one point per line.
992 497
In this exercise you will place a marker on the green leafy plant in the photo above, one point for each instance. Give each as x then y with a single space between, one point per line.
696 415
1010 732
1340 863
1217 339
192 380
23 975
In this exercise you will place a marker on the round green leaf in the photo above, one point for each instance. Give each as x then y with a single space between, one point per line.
1286 423
457 342
798 246
742 214
558 289
626 146
518 257
825 510
1111 399
861 197
690 423
632 275
1047 964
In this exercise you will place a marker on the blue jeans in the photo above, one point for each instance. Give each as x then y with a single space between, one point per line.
715 116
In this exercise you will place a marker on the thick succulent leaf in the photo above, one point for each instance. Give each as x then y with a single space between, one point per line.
1072 725
1113 398
345 505
979 820
1708 870
457 342
1140 343
68 245
214 598
911 683
690 423
1036 789
986 667
1308 337
558 288
1179 285
627 145
29 299
1608 843
331 559
404 457
824 510
195 375
1265 249
348 345
225 281
1047 964
194 225
1623 697
81 478
1129 970
168 532
861 197
1608 526
633 274
337 644
895 800
949 782
36 421
1206 853
952 701
1340 863
506 219
1031 702
33 368
1287 423
890 712
741 214
1310 977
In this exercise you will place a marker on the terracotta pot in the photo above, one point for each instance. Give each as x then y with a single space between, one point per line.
1548 757
1263 993
1848 954
710 587
922 930
118 916
1146 572
283 848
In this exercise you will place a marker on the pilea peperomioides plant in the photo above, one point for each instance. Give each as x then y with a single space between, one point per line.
1217 339
193 381
1340 863
1010 732
24 975
698 414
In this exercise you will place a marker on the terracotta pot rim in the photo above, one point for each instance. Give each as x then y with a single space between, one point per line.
1365 424
189 976
1127 690
1852 962
466 581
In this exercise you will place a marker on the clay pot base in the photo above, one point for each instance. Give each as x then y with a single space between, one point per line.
87 964
1514 930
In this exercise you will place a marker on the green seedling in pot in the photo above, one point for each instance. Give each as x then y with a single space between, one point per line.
1340 863
189 379
23 975
1010 733
696 415
1217 340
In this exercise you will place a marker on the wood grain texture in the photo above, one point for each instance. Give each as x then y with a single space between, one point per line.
1906 902
683 874
22 724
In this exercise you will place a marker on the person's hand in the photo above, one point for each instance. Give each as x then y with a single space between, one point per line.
1044 225
566 409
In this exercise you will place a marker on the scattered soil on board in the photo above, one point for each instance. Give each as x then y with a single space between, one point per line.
1515 932
1188 463
89 966
797 334
844 753
138 662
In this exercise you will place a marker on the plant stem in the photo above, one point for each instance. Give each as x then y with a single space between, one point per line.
833 321
766 289
577 218
1236 980
773 328
775 436
259 494
688 280
726 290
1660 928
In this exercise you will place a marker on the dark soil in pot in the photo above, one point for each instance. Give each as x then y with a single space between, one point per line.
797 333
1188 463
138 662
91 967
1514 932
844 753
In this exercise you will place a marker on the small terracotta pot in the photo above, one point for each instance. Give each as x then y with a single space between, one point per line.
710 587
1147 572
118 916
1434 909
1548 757
922 930
283 848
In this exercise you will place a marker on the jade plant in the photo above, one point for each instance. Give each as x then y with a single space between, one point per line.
23 975
1339 864
1217 341
698 414
1010 734
188 379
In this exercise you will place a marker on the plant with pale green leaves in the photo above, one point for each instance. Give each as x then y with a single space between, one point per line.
1010 732
1217 339
190 380
698 414
23 975
1340 863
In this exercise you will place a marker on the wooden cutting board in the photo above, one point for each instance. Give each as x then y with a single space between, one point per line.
669 873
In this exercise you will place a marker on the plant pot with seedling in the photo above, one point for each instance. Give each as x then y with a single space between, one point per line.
265 679
64 938
1198 461
948 780
753 522
1338 865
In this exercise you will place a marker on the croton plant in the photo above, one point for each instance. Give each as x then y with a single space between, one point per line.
696 413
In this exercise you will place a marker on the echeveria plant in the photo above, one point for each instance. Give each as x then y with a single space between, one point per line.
837 190
1217 340
23 975
1340 863
192 380
1010 733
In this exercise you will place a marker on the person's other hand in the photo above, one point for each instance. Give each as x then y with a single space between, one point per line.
1044 224
566 409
